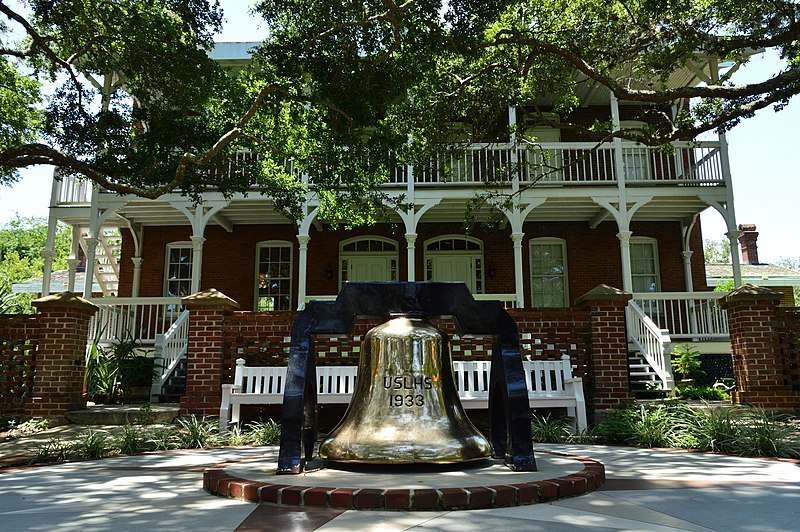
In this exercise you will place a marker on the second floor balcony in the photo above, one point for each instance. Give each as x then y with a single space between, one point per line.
545 165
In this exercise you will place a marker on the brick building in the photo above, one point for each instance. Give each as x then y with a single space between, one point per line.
620 214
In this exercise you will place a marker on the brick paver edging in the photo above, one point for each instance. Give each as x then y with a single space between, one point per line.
218 482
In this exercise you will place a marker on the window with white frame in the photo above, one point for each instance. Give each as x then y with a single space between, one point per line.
273 276
644 265
178 269
549 287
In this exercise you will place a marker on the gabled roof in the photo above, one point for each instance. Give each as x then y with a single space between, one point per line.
755 274
58 283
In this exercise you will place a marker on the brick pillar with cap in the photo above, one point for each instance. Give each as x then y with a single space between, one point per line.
61 357
608 356
204 359
757 365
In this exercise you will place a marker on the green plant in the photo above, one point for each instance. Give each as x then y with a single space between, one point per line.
53 450
145 415
112 372
617 427
654 427
264 432
761 435
196 433
92 445
236 437
133 440
547 429
686 360
163 439
705 393
712 429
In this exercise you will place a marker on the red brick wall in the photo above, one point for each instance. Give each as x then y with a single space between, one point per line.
593 256
609 354
789 345
758 368
60 361
19 338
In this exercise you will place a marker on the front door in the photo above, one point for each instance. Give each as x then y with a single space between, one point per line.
451 267
369 268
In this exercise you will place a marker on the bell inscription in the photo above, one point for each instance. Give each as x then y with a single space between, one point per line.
405 408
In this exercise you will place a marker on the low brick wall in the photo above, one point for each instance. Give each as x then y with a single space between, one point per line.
19 341
788 326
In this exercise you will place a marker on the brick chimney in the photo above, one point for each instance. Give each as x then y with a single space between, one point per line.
747 241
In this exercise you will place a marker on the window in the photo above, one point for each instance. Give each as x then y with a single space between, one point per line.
455 258
273 276
370 258
635 156
548 273
644 265
178 270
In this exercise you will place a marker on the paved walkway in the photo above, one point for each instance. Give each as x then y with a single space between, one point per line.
645 490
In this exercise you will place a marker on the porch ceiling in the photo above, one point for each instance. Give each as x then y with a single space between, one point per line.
255 210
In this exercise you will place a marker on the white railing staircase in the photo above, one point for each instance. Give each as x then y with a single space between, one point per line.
106 263
650 357
171 350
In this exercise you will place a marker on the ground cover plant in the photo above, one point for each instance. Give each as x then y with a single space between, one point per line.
733 430
190 432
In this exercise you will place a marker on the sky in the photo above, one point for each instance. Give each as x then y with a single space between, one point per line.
764 158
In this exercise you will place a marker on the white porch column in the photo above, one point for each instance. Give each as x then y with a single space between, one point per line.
197 261
91 253
625 254
49 254
411 271
687 269
72 261
137 276
733 238
72 267
518 284
302 270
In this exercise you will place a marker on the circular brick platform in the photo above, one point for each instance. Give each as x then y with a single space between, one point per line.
487 484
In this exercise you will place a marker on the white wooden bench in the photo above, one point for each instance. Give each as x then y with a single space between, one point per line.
550 385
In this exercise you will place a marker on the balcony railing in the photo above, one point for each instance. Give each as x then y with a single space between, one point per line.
546 164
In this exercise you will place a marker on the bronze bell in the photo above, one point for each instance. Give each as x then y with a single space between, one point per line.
405 408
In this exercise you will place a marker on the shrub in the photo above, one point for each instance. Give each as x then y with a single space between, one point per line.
92 445
546 429
265 432
53 450
705 393
760 435
196 433
685 360
133 440
712 429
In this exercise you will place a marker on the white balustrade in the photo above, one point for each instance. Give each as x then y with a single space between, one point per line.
689 316
140 318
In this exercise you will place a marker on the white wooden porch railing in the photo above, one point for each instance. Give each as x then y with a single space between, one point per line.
562 163
652 342
144 319
689 316
170 349
70 190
